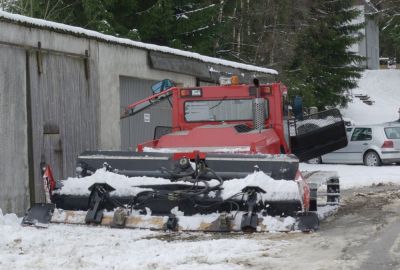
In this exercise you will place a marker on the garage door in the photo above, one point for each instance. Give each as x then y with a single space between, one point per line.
139 128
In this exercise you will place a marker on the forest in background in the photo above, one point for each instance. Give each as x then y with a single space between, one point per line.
305 40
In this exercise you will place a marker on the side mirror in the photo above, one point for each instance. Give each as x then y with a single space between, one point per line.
161 86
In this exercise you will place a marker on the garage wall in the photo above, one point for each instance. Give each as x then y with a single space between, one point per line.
14 191
64 113
116 61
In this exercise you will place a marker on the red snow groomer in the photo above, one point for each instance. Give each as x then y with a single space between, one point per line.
230 162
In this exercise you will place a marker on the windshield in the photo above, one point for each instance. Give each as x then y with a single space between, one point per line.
220 110
392 132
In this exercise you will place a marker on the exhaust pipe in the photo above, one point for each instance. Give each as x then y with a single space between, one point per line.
258 108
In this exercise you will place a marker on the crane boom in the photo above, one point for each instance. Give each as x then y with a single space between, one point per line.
142 104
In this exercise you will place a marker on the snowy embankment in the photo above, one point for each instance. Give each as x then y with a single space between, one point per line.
383 88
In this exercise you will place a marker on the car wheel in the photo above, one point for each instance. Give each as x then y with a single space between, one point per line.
316 160
371 158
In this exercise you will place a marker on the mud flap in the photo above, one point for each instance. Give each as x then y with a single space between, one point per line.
308 222
39 215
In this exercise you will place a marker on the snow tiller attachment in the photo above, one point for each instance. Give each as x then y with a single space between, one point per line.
226 164
185 193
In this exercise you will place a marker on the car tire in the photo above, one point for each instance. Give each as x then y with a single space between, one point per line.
316 160
372 159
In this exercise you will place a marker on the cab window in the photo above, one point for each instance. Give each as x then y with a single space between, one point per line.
362 134
221 110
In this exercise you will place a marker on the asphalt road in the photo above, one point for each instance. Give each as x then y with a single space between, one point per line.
371 217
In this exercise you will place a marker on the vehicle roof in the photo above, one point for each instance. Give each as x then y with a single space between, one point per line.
387 124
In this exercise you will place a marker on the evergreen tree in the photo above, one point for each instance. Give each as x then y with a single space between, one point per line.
53 10
389 36
183 24
323 70
260 32
91 14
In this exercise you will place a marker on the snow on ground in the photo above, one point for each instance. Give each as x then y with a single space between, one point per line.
383 87
353 176
79 247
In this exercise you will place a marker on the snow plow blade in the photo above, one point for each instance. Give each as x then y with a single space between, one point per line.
226 166
203 223
39 215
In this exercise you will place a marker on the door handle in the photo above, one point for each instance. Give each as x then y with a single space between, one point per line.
365 143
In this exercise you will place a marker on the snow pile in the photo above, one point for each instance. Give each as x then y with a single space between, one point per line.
275 189
96 35
9 219
123 185
130 186
382 86
275 224
326 211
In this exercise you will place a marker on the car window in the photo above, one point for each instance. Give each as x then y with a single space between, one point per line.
392 132
362 134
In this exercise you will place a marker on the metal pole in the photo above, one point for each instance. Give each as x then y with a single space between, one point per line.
399 114
31 174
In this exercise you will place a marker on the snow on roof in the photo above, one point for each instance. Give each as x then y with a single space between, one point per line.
123 41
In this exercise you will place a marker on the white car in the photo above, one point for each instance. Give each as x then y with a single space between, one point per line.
371 145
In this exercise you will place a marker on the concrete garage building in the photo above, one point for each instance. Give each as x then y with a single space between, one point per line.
62 90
